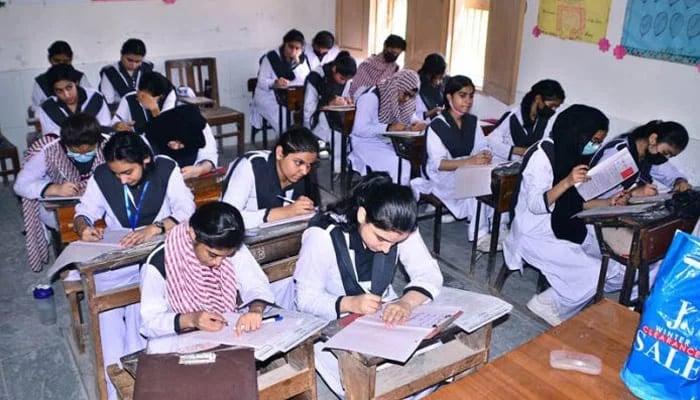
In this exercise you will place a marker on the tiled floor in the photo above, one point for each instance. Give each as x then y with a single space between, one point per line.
38 362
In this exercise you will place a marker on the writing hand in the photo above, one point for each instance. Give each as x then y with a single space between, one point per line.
64 189
418 126
302 205
122 126
281 83
397 126
363 303
204 321
620 198
91 234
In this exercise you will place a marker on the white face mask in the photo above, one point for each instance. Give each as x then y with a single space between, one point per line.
454 110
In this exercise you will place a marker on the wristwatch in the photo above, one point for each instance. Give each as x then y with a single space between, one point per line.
160 225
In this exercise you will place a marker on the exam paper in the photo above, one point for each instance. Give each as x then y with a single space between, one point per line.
608 174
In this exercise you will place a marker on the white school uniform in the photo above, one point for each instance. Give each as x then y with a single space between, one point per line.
39 95
207 153
114 91
442 184
370 149
572 269
312 59
264 104
665 173
120 326
157 318
50 125
500 139
319 285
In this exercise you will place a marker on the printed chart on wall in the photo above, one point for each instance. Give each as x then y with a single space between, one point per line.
583 20
668 30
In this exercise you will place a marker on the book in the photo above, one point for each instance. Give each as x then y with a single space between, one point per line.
270 339
338 108
402 133
369 334
607 174
473 180
617 210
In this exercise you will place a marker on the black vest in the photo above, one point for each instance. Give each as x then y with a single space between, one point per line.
157 173
379 268
458 141
58 111
120 79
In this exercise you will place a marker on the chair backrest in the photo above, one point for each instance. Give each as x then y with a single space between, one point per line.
197 73
252 83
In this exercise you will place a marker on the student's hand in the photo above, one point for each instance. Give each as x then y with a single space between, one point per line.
250 321
620 198
396 312
647 189
91 234
681 185
302 205
124 126
433 112
64 189
338 101
203 320
578 174
140 236
176 145
280 83
397 126
482 158
348 101
361 304
418 126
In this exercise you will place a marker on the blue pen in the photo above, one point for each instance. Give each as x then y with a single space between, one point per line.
272 318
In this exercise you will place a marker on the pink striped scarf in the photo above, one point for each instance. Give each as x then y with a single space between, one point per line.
192 286
390 111
59 169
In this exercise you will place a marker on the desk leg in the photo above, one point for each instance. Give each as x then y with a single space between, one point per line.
344 178
358 379
302 357
240 140
331 151
398 177
643 292
493 246
476 236
280 116
94 316
600 290
219 139
631 270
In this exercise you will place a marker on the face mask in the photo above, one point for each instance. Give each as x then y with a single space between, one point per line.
319 54
545 112
590 148
454 110
390 57
655 158
81 158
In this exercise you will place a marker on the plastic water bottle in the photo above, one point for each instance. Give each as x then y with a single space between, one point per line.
45 303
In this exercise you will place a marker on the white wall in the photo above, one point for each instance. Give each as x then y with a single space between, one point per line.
630 91
236 32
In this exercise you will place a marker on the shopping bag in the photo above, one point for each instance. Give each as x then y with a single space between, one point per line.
664 362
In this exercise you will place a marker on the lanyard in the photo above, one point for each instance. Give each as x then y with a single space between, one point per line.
129 199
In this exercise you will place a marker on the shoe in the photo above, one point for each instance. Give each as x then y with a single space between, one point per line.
447 218
324 155
322 144
544 307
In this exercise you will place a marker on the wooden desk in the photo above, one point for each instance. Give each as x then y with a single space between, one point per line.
652 234
348 119
282 377
290 101
605 330
276 243
460 353
207 188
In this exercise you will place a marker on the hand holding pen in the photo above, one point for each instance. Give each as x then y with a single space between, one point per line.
300 206
203 320
87 231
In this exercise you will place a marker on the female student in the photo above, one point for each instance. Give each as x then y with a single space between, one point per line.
196 276
543 232
272 185
430 100
59 53
176 130
143 195
389 106
279 69
56 167
651 145
349 256
328 85
524 125
453 139
69 98
321 50
122 77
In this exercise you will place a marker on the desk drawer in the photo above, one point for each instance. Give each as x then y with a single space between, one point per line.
656 241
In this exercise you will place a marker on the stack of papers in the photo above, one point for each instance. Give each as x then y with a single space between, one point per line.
370 335
479 309
270 339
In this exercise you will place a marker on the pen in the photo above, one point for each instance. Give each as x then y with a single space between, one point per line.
206 309
285 199
272 318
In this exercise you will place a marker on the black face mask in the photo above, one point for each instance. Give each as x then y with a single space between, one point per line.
545 112
655 159
389 57
319 54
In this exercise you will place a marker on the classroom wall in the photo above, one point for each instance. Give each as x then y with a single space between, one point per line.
236 32
630 91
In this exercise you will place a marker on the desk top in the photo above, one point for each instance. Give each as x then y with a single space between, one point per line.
605 330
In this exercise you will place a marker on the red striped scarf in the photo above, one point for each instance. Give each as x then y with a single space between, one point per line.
192 286
390 111
59 169
372 71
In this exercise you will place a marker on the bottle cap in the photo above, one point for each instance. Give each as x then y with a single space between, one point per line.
43 291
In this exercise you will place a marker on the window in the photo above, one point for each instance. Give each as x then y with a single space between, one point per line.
389 18
467 42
